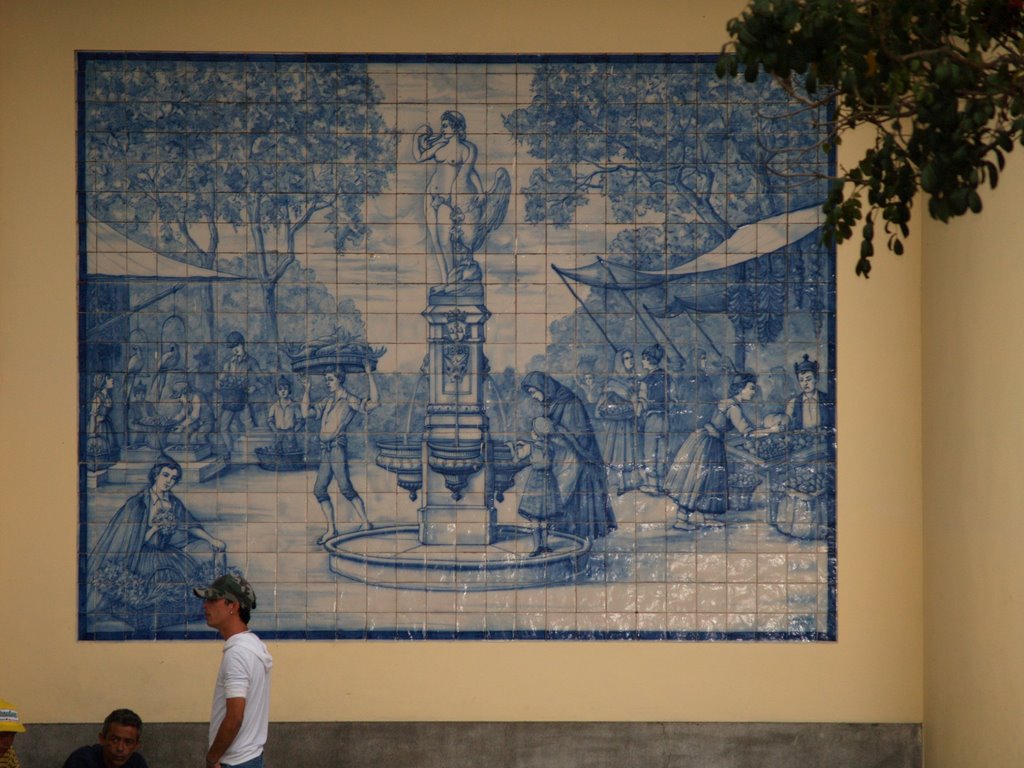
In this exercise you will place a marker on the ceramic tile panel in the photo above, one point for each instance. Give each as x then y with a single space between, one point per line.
462 347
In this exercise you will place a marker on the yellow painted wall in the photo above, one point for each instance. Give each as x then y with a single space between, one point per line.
974 497
874 671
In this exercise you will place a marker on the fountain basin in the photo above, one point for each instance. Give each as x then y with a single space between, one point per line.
405 460
456 460
394 557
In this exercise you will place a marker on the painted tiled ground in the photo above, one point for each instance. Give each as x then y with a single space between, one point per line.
564 322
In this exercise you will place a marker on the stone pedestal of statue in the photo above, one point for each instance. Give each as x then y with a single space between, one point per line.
457 509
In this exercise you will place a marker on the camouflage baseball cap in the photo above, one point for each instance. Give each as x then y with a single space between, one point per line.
232 588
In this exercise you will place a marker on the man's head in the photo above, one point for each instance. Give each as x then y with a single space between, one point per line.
10 726
335 379
226 597
120 737
236 343
806 371
651 356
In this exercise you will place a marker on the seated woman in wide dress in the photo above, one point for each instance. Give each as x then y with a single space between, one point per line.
141 569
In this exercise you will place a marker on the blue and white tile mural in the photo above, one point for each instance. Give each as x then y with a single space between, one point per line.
454 347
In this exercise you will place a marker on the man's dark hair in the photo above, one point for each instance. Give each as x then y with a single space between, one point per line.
244 614
654 353
122 717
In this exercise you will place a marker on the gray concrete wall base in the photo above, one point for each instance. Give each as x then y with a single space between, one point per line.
520 745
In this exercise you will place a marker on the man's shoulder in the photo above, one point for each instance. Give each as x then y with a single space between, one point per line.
89 756
344 397
247 642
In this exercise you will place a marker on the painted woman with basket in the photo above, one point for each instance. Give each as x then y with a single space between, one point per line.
101 446
142 569
618 408
698 477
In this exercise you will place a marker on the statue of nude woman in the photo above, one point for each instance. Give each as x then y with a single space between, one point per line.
457 211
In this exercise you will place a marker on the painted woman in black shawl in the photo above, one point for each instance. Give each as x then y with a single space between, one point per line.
580 475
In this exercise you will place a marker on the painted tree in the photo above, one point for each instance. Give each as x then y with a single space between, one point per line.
681 159
269 148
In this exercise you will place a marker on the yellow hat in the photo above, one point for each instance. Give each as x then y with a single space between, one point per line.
9 720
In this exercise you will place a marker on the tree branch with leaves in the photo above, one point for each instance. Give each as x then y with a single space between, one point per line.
941 83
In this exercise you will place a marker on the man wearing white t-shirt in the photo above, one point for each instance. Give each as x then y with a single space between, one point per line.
241 699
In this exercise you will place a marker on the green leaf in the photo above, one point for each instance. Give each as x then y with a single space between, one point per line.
957 67
929 178
993 174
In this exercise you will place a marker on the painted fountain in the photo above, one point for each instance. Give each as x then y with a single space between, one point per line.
455 465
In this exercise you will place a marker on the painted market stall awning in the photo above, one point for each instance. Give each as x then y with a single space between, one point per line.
109 253
696 283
